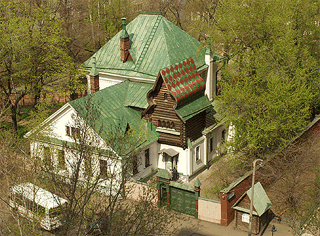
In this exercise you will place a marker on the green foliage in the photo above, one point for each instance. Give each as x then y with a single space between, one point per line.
270 84
33 54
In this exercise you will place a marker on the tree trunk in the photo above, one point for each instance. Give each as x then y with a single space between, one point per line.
14 119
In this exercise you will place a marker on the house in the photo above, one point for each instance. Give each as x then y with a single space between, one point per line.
261 214
154 78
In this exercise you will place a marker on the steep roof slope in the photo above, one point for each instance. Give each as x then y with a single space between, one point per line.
261 202
108 108
155 43
183 81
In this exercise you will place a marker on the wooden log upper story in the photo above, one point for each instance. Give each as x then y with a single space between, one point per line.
171 127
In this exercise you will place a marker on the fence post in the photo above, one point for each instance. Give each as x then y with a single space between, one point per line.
168 193
197 185
158 189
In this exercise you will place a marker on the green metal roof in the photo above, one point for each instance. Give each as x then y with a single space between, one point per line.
155 43
108 110
164 174
181 186
137 95
193 107
261 202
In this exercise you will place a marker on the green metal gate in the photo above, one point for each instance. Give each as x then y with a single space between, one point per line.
179 197
183 199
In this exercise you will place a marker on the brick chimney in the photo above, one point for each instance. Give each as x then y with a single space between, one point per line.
124 43
94 77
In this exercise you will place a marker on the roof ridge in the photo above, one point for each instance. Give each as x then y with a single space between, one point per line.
149 40
166 45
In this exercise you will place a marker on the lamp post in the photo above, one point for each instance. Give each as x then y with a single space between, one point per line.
252 191
273 229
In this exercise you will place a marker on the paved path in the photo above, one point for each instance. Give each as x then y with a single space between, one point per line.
193 227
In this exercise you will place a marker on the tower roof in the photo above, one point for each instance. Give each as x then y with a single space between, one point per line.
183 81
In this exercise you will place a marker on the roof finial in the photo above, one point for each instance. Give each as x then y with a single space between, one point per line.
124 32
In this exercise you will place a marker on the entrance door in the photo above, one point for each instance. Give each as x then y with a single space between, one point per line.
171 162
163 195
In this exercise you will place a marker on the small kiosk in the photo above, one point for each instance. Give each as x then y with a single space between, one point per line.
261 214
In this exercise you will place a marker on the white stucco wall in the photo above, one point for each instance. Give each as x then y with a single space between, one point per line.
209 210
217 136
197 164
182 163
73 159
153 157
106 81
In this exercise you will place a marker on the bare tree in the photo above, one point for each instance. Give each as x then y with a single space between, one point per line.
91 173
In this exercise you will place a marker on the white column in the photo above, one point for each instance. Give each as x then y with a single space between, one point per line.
189 163
211 80
205 158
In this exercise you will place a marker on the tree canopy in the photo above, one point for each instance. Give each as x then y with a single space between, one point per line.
270 85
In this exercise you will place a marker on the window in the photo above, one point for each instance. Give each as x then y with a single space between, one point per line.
198 153
147 158
54 212
103 168
128 128
61 159
72 131
211 144
67 130
166 124
47 156
75 132
135 166
223 135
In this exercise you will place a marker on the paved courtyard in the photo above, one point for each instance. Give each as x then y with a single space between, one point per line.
190 226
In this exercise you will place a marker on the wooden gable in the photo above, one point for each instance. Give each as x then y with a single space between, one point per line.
177 104
161 113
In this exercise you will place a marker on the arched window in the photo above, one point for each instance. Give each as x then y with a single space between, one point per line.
172 125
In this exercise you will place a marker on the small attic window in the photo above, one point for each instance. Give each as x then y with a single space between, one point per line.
128 128
165 96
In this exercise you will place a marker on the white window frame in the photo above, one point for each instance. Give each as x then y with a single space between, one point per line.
197 152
